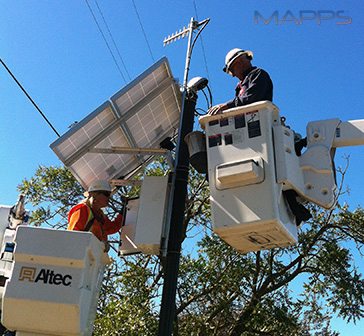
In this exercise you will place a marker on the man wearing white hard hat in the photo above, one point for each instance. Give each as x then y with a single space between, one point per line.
254 85
89 216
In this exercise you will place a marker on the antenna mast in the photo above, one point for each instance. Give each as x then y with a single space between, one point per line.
179 186
193 25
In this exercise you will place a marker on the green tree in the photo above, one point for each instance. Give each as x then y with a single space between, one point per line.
221 292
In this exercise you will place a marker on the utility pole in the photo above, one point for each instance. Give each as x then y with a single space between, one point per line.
179 187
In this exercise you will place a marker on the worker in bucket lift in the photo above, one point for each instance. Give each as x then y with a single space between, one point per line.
89 216
254 85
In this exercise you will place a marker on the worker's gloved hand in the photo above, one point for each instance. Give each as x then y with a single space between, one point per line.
217 109
214 110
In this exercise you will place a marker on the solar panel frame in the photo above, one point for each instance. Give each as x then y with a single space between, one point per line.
140 115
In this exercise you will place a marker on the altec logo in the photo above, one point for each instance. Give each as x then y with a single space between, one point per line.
46 276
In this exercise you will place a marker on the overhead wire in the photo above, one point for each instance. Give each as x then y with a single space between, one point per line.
112 39
107 44
31 100
202 45
141 25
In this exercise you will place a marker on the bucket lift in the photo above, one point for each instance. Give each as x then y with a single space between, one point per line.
50 279
251 163
55 282
10 218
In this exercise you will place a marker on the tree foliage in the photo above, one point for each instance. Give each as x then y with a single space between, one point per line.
52 191
286 291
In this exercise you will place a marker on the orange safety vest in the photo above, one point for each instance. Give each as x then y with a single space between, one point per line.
81 218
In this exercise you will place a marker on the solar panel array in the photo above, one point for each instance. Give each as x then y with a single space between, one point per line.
140 115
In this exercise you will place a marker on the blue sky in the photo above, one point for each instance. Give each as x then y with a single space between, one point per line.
56 51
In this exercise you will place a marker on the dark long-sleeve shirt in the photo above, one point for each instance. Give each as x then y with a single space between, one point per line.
256 86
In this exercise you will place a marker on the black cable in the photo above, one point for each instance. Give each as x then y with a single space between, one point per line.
198 113
202 45
112 38
107 44
210 95
145 36
207 100
26 93
199 32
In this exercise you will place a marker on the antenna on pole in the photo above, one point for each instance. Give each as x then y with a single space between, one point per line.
182 33
179 185
187 32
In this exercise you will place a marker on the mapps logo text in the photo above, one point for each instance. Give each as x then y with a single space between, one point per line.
319 16
46 276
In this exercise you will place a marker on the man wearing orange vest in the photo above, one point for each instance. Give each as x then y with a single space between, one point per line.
88 215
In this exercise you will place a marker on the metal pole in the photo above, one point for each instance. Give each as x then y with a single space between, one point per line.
180 180
167 311
179 190
191 27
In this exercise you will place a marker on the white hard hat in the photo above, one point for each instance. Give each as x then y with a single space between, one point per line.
232 55
99 185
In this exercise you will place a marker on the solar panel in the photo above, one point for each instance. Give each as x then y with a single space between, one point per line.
123 133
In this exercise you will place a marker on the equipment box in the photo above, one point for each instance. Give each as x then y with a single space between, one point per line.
248 208
55 282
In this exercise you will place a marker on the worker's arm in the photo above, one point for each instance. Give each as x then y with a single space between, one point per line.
217 109
111 227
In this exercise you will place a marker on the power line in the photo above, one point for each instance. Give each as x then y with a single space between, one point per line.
26 93
107 44
203 48
103 18
145 36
